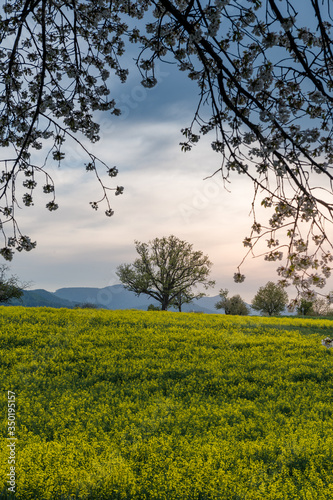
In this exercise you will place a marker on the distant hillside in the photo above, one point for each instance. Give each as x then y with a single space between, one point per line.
117 297
110 297
40 298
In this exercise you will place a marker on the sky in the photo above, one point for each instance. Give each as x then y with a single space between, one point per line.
164 193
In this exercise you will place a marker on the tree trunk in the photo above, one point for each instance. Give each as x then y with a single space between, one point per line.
164 304
180 302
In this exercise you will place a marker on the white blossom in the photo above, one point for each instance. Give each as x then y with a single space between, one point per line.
239 278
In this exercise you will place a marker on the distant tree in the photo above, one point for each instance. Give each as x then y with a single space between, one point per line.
166 269
10 288
185 298
270 299
232 305
305 307
321 307
86 305
151 307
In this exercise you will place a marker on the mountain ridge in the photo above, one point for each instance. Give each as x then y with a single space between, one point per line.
111 297
118 297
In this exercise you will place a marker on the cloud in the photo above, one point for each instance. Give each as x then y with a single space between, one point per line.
164 194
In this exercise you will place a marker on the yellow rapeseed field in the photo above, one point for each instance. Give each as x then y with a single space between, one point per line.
164 406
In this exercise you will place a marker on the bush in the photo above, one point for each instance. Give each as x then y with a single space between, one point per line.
151 307
86 305
233 305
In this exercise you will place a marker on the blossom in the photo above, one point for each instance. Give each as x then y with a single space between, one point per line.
52 206
48 188
7 253
273 256
112 172
239 278
27 200
25 243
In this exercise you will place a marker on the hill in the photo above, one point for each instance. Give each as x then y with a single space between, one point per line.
117 297
41 298
110 297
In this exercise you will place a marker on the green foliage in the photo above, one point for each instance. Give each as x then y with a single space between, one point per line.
151 307
305 307
10 288
232 305
167 270
131 405
270 299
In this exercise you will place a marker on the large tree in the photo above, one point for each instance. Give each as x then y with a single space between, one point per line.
167 269
264 74
270 299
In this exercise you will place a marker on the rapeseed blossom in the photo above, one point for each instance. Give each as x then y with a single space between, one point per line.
167 406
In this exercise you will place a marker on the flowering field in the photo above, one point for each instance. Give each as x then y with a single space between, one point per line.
164 406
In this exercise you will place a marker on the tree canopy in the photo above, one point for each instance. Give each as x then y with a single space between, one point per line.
305 307
270 299
264 75
232 305
167 269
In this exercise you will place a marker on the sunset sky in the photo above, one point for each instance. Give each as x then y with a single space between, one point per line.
165 193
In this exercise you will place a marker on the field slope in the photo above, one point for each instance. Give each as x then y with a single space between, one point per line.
166 406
